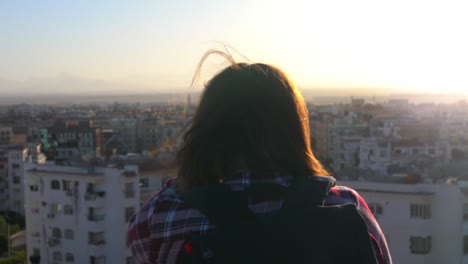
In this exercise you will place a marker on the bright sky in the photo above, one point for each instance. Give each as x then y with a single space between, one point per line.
401 44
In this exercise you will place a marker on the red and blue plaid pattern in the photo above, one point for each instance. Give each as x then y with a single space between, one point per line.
157 232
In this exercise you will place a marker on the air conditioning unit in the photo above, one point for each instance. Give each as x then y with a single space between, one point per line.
51 215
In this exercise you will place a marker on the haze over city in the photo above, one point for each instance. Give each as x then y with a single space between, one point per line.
127 47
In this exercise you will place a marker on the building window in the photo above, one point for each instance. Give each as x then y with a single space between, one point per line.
16 179
144 183
383 153
129 193
420 245
68 209
36 252
69 257
56 232
97 260
34 188
129 212
376 208
96 238
69 234
57 256
90 187
15 166
465 212
17 204
55 185
422 211
67 185
55 209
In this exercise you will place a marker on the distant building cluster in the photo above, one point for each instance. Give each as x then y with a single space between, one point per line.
409 162
78 173
374 141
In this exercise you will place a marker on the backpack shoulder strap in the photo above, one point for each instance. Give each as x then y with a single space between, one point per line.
219 203
310 191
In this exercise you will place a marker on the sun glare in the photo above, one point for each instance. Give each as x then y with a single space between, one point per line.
415 46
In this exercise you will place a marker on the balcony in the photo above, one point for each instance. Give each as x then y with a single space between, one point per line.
92 195
96 218
97 248
129 174
96 223
98 259
129 194
54 242
97 242
69 193
95 199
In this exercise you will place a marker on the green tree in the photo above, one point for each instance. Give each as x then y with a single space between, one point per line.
4 234
18 258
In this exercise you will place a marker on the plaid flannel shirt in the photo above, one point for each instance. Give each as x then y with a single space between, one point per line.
157 232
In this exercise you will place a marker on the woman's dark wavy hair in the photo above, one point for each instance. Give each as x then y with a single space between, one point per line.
251 117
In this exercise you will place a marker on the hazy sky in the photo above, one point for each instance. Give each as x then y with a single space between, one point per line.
399 44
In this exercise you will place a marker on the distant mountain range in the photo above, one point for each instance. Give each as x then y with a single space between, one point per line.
65 88
68 84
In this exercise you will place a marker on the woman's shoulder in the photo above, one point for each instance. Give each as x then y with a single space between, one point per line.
154 213
343 195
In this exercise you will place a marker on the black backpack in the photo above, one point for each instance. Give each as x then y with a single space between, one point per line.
302 231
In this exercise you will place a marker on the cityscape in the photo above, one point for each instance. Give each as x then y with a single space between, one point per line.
73 175
96 97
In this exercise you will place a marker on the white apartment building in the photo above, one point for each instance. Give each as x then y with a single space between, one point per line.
3 179
423 223
344 144
152 181
378 156
79 214
18 157
375 155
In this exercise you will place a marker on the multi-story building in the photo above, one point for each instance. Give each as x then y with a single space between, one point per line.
80 214
344 144
127 130
3 179
319 136
18 156
423 223
375 155
20 135
6 133
149 134
76 139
